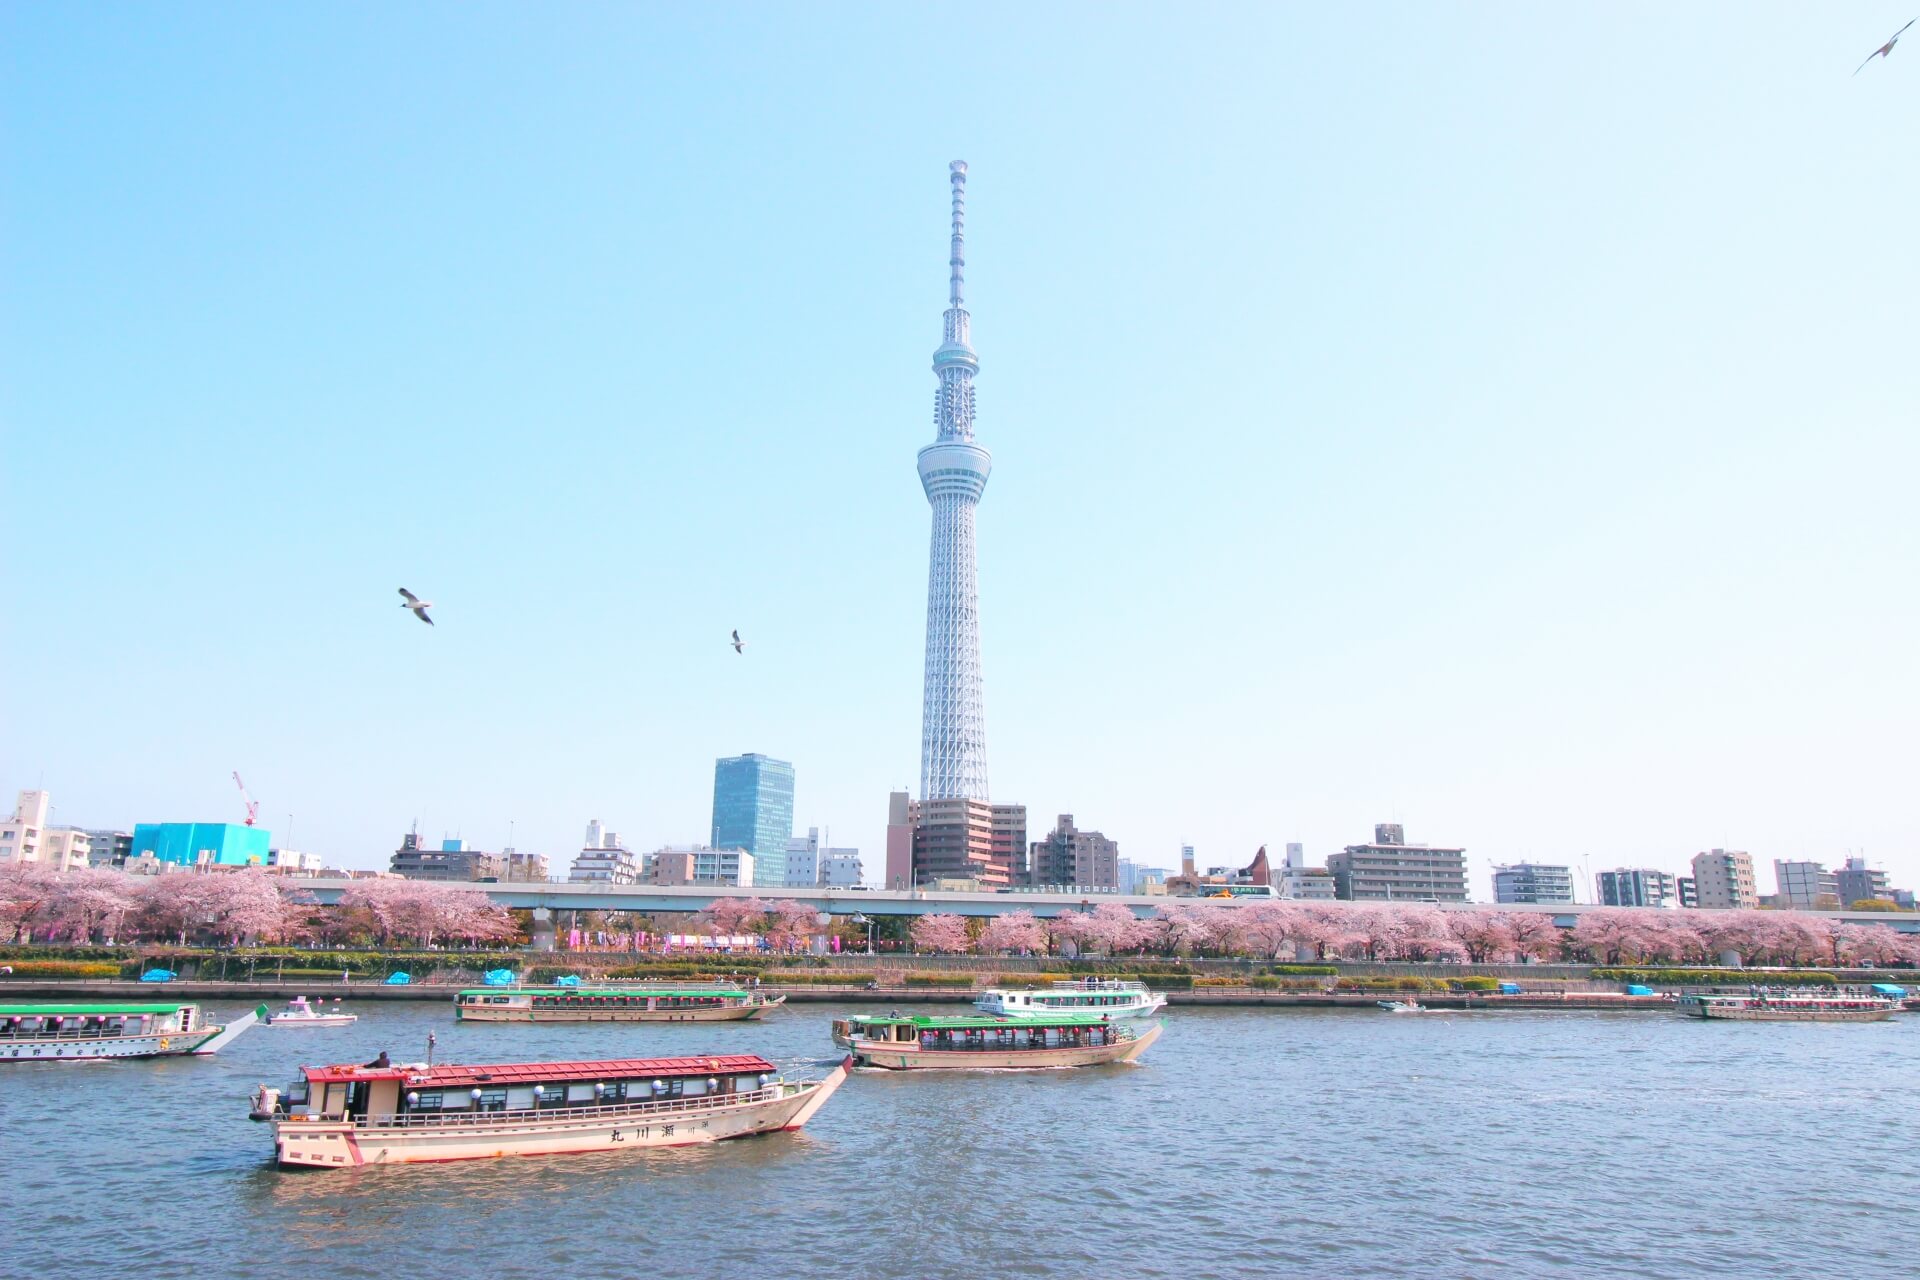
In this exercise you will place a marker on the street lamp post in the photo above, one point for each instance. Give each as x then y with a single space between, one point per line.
860 917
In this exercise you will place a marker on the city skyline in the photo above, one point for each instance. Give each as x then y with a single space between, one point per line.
1536 483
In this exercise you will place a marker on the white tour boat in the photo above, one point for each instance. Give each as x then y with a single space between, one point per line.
1107 996
614 1004
1762 1005
299 1013
42 1032
912 1042
344 1116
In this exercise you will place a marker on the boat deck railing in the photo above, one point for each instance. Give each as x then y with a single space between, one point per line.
538 1115
1100 984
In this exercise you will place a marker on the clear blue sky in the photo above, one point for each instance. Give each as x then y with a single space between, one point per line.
1496 418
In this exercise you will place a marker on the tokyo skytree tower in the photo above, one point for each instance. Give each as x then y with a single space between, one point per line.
953 471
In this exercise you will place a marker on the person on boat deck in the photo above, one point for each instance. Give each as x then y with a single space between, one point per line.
381 1061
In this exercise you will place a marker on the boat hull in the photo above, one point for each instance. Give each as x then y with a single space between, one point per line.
158 1045
338 1144
890 1056
1730 1013
728 1013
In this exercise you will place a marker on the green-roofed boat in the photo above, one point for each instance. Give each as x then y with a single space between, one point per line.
613 1004
76 1032
909 1042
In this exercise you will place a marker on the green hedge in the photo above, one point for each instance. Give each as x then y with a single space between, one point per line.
1267 983
1474 984
1741 977
65 969
824 978
1304 970
1391 984
36 951
940 980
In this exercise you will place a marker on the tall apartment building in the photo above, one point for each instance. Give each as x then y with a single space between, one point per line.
898 868
1010 842
1533 884
1723 880
1391 870
753 810
1855 882
1688 890
953 840
603 859
1072 857
1805 886
1636 887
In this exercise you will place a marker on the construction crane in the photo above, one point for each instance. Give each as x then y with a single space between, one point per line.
253 806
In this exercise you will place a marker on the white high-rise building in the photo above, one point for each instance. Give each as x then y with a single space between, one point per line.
603 859
953 472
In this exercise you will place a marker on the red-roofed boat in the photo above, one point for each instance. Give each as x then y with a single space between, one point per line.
343 1116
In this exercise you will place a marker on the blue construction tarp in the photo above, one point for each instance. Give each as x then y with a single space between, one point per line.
399 979
500 978
1635 989
157 975
567 980
1509 988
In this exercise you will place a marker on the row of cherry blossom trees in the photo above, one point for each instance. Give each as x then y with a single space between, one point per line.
787 926
1306 931
99 905
233 907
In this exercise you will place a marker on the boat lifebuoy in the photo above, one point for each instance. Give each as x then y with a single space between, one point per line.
165 1043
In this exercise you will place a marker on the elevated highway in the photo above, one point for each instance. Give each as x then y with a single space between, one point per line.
688 899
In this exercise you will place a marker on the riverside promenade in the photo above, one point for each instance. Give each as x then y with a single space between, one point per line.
823 993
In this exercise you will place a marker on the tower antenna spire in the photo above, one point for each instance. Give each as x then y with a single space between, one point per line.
956 287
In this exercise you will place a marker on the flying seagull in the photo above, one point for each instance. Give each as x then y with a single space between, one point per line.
739 645
416 604
1886 48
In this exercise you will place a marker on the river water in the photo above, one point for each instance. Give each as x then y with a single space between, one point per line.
1249 1142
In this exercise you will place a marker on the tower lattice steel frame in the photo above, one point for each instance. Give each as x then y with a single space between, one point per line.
953 471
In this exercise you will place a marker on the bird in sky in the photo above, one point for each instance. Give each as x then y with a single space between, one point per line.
416 604
739 645
1886 48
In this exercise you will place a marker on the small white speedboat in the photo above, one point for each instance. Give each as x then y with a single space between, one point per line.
1401 1006
299 1013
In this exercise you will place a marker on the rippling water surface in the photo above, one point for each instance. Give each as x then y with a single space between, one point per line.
1248 1142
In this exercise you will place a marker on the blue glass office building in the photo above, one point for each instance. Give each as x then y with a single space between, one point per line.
228 844
753 810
